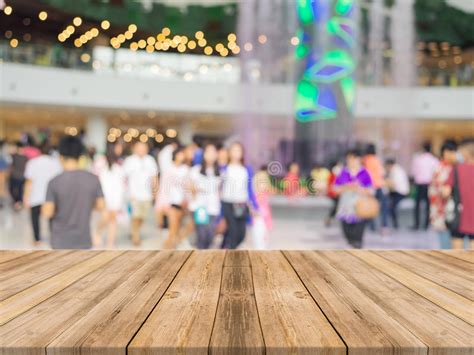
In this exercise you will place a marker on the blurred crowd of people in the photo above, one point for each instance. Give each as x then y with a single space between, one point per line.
207 194
366 190
201 191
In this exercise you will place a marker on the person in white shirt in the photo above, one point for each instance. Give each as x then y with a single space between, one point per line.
39 172
399 185
237 197
112 179
177 182
165 162
206 205
141 172
423 168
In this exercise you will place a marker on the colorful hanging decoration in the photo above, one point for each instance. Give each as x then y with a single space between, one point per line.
327 66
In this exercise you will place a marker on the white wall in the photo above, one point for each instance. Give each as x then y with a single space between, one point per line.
420 102
23 84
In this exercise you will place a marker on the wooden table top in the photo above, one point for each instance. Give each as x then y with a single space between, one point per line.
236 302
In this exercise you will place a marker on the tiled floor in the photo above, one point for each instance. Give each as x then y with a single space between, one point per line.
296 226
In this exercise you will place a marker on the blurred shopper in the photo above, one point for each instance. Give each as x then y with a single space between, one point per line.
237 197
206 204
30 150
438 198
198 153
222 161
399 186
263 221
4 165
141 173
377 174
222 157
112 180
292 181
101 161
320 176
17 175
193 153
353 184
461 181
165 163
423 167
335 170
39 172
177 183
165 156
70 198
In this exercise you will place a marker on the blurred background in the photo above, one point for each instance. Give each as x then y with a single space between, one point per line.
394 73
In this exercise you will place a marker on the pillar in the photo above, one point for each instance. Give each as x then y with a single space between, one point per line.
96 133
186 132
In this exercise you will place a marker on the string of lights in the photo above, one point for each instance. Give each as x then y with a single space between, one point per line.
162 42
165 41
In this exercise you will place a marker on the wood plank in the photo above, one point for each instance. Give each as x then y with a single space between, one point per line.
31 332
237 327
440 330
291 321
448 260
27 259
7 255
25 276
365 327
447 299
182 321
237 258
111 324
34 295
435 270
466 255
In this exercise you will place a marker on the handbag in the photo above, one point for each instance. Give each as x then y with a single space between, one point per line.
452 212
201 216
367 207
240 210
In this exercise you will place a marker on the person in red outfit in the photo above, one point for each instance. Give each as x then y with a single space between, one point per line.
292 181
465 179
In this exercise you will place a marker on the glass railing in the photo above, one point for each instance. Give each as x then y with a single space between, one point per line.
201 68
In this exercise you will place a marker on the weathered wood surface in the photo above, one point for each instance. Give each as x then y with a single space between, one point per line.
236 302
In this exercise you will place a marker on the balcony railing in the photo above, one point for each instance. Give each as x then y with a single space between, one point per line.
197 68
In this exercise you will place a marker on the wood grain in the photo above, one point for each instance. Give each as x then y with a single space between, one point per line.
236 302
34 295
183 320
237 327
291 321
111 324
365 327
7 255
31 332
460 254
447 299
11 264
435 270
41 268
440 330
451 260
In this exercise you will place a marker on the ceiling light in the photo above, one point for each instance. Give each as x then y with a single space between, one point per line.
199 35
77 21
105 25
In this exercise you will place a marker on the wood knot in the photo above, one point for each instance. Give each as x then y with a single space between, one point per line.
172 294
301 294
